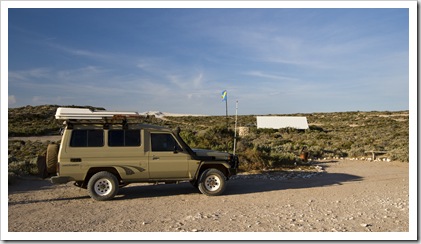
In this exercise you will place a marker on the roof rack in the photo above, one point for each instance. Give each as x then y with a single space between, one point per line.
88 114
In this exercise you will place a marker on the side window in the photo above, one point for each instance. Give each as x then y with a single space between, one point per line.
163 143
124 138
87 138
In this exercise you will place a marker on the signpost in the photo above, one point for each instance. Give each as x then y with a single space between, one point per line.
235 127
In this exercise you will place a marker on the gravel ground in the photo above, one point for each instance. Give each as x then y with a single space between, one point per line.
340 196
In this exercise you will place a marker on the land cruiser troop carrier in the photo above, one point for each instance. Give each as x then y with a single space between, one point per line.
103 151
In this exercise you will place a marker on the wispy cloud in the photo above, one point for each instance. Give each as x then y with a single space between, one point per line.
12 99
51 99
34 73
187 82
79 52
182 59
152 64
270 76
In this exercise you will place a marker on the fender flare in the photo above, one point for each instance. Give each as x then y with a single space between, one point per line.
223 166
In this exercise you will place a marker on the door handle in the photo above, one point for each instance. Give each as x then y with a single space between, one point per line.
155 157
75 160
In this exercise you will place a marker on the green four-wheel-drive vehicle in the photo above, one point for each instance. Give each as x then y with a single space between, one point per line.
102 151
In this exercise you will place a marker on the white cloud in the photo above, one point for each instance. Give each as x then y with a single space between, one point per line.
270 76
197 82
40 100
152 64
29 74
12 100
81 75
79 52
187 82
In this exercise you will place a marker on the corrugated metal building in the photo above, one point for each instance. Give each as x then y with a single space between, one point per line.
278 122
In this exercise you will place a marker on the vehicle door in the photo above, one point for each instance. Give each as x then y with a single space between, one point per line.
167 159
125 151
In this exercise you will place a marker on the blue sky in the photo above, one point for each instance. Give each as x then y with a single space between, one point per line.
272 60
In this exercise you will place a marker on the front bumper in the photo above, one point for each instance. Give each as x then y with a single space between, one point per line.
232 172
234 162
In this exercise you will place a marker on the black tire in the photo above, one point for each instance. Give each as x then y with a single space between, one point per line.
212 182
51 158
42 167
103 186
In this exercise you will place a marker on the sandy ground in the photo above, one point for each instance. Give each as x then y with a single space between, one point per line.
349 196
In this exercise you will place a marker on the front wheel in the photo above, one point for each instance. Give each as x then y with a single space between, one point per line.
212 182
103 186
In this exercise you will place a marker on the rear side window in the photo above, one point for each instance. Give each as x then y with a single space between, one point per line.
124 138
87 138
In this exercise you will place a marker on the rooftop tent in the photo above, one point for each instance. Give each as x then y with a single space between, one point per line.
85 113
278 122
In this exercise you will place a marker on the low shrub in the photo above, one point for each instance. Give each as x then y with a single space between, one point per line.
22 159
343 134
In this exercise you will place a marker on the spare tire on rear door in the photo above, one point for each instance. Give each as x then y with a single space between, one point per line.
52 158
42 166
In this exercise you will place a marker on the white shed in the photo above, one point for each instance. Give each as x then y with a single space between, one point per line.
278 122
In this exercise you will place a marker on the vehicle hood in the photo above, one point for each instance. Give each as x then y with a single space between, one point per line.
211 153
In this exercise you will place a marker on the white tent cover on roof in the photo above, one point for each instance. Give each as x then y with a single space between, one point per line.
85 113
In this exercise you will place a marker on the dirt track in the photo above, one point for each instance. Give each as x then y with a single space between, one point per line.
350 196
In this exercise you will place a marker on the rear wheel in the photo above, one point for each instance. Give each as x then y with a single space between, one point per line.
103 186
212 182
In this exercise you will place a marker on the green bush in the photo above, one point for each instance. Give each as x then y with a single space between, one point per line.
281 159
24 167
23 155
342 134
36 120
